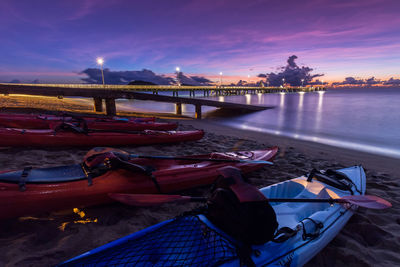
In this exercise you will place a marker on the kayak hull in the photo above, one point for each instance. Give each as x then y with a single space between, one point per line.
298 251
32 121
321 219
39 138
171 175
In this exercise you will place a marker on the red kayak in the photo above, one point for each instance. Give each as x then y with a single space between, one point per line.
31 191
79 137
34 121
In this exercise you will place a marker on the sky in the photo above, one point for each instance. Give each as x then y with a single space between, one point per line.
54 41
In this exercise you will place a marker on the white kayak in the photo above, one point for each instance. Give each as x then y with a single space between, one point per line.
316 223
192 240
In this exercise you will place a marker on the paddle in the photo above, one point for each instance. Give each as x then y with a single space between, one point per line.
119 153
366 201
202 159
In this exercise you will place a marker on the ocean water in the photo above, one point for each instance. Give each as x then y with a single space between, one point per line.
366 119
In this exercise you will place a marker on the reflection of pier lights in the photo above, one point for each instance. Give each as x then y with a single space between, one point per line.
281 111
301 99
248 99
281 104
299 117
319 110
320 100
221 98
259 96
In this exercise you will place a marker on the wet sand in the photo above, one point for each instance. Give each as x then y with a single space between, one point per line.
371 238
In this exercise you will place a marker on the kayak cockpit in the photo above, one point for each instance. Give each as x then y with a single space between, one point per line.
46 175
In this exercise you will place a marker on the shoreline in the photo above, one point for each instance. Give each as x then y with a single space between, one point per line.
337 154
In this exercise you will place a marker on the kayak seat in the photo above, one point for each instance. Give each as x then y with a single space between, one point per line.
46 175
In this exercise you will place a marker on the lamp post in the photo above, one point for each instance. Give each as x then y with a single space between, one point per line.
100 61
283 82
178 70
322 81
220 78
248 78
302 82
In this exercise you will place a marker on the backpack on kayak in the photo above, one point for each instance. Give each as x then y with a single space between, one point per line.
100 160
241 210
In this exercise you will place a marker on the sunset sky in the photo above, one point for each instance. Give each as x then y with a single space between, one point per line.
55 40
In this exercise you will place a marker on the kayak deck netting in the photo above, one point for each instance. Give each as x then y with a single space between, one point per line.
184 241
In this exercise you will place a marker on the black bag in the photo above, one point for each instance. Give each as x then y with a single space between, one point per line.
249 219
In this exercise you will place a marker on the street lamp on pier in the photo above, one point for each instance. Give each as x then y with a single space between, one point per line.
302 82
220 78
283 82
100 61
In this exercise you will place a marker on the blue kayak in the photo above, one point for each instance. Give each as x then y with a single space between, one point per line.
304 230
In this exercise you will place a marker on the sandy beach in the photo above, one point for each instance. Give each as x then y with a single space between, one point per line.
371 238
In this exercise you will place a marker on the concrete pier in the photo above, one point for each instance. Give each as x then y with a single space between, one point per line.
111 92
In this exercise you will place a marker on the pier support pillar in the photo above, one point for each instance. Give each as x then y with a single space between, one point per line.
198 112
98 104
178 108
111 109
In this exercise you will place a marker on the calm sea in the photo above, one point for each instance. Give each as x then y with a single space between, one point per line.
365 119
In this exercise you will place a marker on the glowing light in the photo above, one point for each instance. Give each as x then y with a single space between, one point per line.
100 61
178 69
220 73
